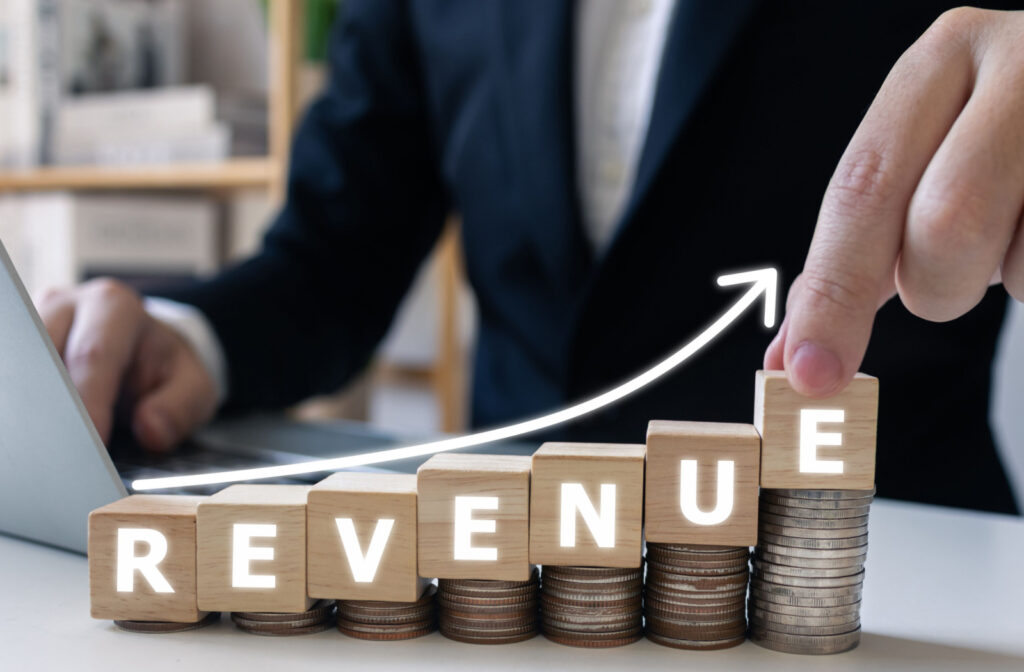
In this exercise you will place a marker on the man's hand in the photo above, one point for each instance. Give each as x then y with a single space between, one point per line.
111 346
926 202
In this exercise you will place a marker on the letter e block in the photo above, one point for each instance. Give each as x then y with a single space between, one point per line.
362 538
474 517
142 559
816 444
252 549
586 504
702 480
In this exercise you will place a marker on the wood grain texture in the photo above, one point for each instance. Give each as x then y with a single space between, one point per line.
670 442
366 499
175 518
777 409
443 477
280 505
591 465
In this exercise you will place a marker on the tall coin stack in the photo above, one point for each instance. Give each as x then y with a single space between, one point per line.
388 621
808 570
317 618
593 607
479 611
695 596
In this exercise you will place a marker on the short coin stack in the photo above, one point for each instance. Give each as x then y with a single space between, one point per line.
388 621
695 596
594 607
808 570
318 617
161 627
479 611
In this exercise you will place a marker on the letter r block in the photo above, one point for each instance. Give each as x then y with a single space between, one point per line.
252 549
586 504
142 559
362 538
702 480
474 517
817 444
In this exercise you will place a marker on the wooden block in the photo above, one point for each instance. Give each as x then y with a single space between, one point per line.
586 504
252 549
826 444
142 559
702 480
474 517
362 538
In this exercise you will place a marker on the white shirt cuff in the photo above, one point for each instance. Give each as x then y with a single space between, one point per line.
193 326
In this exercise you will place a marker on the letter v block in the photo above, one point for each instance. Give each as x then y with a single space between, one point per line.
816 444
702 482
142 559
474 517
586 504
252 549
362 538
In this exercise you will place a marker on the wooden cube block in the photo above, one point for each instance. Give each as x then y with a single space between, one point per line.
702 480
586 504
826 444
474 517
252 549
142 559
362 538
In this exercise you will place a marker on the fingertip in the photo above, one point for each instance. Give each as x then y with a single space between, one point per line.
815 370
773 354
153 430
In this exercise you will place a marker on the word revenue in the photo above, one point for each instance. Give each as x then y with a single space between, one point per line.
481 523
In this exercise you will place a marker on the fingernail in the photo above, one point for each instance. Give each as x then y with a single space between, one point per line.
815 369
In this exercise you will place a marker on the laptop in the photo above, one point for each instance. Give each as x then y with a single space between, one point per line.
54 469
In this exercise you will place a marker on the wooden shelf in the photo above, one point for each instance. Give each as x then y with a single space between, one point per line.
258 172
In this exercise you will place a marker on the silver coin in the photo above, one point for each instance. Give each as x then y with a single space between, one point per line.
822 494
797 601
803 533
807 582
793 569
842 610
847 593
816 630
816 504
812 544
783 621
806 644
813 553
797 512
812 523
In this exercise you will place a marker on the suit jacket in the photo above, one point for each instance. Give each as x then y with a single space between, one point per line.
435 105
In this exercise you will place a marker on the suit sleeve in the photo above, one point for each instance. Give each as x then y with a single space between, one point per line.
364 206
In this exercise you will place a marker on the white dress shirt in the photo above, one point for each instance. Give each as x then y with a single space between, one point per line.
619 45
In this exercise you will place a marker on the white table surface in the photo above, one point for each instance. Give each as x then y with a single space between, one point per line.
944 590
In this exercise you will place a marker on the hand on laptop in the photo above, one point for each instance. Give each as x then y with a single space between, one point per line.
111 346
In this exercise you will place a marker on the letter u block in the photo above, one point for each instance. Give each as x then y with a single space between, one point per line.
142 559
586 504
702 483
474 517
362 538
817 444
252 549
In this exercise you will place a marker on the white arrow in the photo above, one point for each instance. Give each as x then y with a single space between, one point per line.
764 281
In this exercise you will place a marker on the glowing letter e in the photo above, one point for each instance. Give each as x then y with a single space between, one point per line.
602 526
243 553
466 525
128 562
688 493
811 438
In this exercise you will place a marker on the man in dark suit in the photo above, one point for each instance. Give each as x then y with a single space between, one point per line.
603 183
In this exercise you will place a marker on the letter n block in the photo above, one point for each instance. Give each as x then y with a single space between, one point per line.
252 549
817 444
586 504
474 517
702 480
142 559
362 538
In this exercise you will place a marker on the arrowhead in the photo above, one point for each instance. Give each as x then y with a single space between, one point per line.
764 280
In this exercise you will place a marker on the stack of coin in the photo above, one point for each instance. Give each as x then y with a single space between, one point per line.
695 596
594 607
480 611
388 621
808 570
160 627
318 617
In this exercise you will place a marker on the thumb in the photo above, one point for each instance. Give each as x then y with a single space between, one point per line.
171 411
